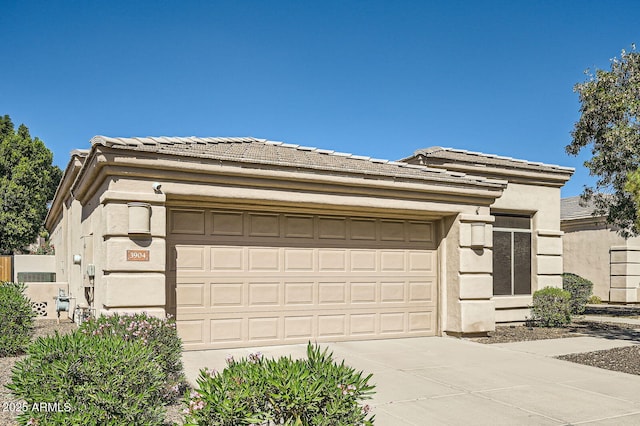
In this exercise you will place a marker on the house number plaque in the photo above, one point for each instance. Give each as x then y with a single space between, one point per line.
137 255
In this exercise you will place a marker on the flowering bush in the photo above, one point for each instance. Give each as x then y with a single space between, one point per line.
158 334
258 391
80 379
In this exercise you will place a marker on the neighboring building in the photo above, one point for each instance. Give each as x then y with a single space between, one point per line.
253 242
594 250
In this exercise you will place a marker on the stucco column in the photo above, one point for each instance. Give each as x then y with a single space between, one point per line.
134 256
548 260
625 274
470 285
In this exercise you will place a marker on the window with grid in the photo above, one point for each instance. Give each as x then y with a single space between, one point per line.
511 255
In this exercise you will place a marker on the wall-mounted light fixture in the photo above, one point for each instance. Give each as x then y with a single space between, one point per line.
477 234
139 218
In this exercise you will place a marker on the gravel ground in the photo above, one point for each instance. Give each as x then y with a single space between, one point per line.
625 360
523 333
45 328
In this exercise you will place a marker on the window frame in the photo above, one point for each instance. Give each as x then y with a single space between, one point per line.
512 231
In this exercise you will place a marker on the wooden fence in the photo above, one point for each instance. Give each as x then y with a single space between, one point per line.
6 268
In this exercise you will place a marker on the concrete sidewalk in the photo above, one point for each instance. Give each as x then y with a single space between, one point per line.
447 381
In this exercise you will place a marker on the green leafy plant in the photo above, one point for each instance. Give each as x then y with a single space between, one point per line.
160 335
259 391
16 319
594 300
580 290
89 380
551 307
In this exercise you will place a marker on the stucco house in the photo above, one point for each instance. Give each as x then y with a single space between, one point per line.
594 250
254 242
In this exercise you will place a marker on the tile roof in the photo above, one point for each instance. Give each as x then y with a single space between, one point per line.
488 159
571 208
265 152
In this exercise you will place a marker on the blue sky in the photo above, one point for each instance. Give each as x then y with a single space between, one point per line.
376 78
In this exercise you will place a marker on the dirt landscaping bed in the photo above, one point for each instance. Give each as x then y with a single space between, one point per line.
521 333
625 360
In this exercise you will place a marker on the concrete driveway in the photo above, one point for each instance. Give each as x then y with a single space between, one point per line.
447 381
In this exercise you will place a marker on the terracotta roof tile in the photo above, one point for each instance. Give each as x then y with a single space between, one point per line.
262 151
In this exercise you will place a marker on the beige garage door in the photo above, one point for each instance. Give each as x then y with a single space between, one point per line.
252 278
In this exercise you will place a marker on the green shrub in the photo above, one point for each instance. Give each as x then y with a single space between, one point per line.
312 391
551 307
89 380
16 319
594 300
158 334
580 289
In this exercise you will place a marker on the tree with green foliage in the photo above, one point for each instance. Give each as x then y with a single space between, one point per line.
28 180
610 123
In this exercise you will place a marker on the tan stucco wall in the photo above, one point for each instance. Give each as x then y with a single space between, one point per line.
594 251
467 273
543 203
33 263
98 230
41 294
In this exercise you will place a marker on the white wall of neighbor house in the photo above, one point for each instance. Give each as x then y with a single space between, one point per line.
543 204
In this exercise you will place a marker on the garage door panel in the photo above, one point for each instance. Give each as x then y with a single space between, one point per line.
298 226
299 293
422 291
332 293
363 324
298 260
264 259
332 228
392 322
264 294
262 278
364 261
392 230
420 231
227 258
264 328
421 261
191 331
227 223
332 325
187 222
392 261
392 291
363 229
227 330
332 260
226 294
190 258
420 321
264 225
299 327
191 294
363 292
